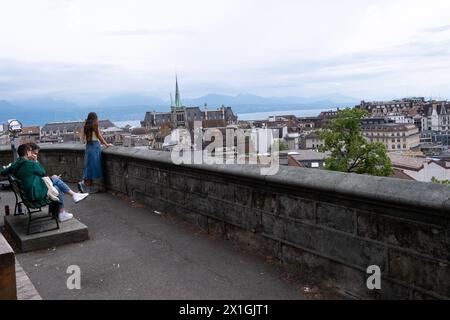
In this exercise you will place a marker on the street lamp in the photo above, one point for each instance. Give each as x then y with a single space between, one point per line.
14 128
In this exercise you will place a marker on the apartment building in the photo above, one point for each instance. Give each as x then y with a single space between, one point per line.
395 136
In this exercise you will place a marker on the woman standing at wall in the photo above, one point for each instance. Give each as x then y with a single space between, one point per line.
93 168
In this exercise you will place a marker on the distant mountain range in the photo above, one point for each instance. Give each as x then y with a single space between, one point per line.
248 99
133 106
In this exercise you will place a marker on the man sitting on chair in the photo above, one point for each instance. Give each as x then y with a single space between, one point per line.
30 173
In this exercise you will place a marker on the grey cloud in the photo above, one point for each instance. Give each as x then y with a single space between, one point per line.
354 70
24 77
437 29
15 67
411 51
424 48
437 53
308 66
147 32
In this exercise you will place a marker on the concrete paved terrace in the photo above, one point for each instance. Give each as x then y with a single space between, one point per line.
137 253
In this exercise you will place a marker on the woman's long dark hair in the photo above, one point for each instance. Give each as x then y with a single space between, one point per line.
90 126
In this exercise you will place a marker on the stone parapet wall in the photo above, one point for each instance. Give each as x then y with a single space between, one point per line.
332 224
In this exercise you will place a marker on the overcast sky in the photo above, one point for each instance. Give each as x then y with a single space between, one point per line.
88 49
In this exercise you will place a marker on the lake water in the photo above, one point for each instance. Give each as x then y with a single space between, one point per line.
297 113
132 123
247 116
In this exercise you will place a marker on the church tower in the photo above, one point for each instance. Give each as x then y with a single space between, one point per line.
177 94
177 109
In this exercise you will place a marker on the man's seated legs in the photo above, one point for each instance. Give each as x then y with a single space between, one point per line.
63 188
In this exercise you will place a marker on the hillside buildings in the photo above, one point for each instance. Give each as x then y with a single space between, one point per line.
420 168
30 134
410 106
68 131
307 159
437 117
311 141
395 136
426 114
431 118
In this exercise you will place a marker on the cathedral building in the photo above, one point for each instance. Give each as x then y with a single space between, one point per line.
181 116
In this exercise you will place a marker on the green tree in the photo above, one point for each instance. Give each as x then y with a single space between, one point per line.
280 144
350 151
444 182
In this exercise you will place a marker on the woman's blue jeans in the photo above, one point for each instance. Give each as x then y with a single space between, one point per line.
62 188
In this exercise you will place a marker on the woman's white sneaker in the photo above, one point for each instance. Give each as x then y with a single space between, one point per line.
77 197
64 216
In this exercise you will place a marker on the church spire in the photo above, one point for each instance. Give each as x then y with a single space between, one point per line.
177 94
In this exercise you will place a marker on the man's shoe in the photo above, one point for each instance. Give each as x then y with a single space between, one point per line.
64 216
77 197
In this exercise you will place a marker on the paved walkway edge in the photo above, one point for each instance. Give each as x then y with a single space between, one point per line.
25 288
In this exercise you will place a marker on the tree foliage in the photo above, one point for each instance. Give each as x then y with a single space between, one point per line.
444 182
350 151
279 145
